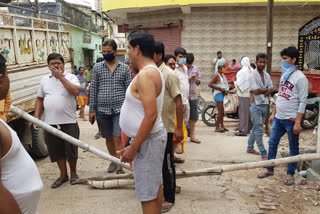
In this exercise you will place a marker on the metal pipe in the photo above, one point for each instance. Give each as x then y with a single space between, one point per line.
68 138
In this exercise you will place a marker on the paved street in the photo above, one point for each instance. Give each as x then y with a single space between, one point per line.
235 192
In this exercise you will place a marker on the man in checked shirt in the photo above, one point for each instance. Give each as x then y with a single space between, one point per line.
109 82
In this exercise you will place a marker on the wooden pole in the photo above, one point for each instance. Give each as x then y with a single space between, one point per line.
269 51
68 138
114 181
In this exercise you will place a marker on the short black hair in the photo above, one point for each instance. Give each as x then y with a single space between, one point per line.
75 67
81 67
3 66
291 52
180 51
53 56
111 43
190 58
219 52
99 59
234 60
144 40
159 48
261 56
253 65
169 56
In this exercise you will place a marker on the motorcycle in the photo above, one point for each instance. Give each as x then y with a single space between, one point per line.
210 112
311 114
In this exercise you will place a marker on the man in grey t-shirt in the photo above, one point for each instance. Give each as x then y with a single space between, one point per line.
289 110
260 85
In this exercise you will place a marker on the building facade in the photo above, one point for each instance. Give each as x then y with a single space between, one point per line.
236 29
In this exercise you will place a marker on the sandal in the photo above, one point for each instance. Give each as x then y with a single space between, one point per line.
265 174
225 129
178 160
195 141
74 179
166 206
289 181
219 130
58 182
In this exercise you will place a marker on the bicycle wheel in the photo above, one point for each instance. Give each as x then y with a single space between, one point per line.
209 115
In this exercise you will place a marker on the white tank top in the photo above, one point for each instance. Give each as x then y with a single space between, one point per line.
220 85
20 175
132 111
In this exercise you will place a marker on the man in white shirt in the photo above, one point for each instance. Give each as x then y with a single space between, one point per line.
57 98
181 69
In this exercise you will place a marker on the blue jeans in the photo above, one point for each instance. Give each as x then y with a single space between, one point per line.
258 115
279 128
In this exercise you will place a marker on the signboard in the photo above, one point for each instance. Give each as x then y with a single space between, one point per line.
86 37
103 33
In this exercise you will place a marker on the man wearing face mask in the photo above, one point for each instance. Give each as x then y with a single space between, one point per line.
181 69
289 110
182 72
110 80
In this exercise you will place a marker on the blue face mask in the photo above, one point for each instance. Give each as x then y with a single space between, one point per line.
182 61
109 57
287 70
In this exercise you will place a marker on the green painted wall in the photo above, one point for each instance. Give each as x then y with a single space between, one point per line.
79 46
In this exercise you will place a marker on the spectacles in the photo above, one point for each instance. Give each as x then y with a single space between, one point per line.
171 64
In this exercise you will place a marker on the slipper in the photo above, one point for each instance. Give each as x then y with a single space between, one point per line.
264 175
195 141
178 160
58 182
120 172
166 207
226 130
178 189
241 134
289 182
253 152
74 179
219 130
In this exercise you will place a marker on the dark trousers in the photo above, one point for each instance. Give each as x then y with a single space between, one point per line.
169 172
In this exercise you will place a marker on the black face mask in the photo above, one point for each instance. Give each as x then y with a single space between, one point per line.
109 57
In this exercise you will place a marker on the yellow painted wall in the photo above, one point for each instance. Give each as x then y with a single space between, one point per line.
108 5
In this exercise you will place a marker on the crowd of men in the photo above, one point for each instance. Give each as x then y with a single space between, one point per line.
150 106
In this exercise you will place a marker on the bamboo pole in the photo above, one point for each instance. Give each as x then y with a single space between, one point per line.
68 138
103 178
110 184
249 165
218 170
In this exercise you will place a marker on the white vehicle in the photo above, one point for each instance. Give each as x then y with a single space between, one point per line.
26 42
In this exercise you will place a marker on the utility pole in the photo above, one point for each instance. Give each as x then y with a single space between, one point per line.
269 51
37 8
269 35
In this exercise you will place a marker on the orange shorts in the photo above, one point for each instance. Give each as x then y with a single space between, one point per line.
82 100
